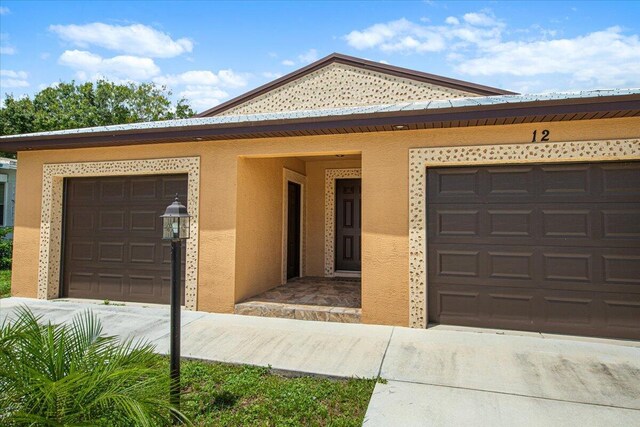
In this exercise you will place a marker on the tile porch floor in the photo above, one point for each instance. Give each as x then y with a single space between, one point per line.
308 298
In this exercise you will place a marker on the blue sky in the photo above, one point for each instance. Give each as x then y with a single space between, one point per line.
209 52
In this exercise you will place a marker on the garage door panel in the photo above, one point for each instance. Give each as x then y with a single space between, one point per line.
551 267
509 223
112 221
620 180
513 307
511 265
112 190
569 224
81 221
572 183
621 269
145 220
503 181
551 248
622 313
109 252
113 247
144 189
170 186
526 309
80 280
84 191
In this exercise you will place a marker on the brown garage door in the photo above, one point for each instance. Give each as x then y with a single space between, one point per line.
113 247
552 248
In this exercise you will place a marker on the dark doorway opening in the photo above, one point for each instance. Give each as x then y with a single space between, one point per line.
294 210
348 218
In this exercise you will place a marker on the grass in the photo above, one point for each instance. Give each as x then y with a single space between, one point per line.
230 395
5 283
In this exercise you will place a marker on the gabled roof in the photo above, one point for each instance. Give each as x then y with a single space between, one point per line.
364 64
476 111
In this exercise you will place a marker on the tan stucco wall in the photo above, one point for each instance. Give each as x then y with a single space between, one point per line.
385 264
259 223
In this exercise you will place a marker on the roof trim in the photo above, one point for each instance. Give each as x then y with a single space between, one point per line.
497 114
360 63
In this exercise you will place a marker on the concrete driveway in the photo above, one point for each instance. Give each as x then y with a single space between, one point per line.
447 376
442 376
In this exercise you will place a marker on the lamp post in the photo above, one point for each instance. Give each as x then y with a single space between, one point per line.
175 227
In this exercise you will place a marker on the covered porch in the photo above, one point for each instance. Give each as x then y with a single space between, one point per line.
298 244
328 299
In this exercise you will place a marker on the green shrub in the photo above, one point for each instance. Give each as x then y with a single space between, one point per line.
57 375
6 248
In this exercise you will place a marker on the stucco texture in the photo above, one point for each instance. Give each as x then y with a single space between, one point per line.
241 191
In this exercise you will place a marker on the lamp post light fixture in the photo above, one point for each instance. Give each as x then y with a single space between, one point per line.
175 227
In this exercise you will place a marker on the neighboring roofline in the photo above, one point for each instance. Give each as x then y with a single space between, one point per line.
360 63
384 118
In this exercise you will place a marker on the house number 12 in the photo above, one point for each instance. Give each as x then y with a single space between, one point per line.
545 136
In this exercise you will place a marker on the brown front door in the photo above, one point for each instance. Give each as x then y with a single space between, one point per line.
113 247
348 215
551 248
293 230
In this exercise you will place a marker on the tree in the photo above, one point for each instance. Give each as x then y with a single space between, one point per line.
72 105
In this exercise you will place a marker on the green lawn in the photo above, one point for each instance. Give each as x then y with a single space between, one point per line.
229 395
5 283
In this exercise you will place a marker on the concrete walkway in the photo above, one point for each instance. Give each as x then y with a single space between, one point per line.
442 376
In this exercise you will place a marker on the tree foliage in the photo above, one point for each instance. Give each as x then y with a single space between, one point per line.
71 375
72 105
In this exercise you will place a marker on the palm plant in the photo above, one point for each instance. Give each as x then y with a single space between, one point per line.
71 375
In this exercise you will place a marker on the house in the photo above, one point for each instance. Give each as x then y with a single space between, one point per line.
7 190
442 201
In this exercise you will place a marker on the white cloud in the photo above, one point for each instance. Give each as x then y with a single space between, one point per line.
401 35
90 66
270 75
309 56
479 44
480 19
203 88
226 78
605 58
202 97
13 79
136 39
5 47
405 36
303 59
229 78
4 10
452 20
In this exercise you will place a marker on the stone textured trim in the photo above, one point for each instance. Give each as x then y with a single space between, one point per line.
340 85
422 158
289 175
330 176
51 213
